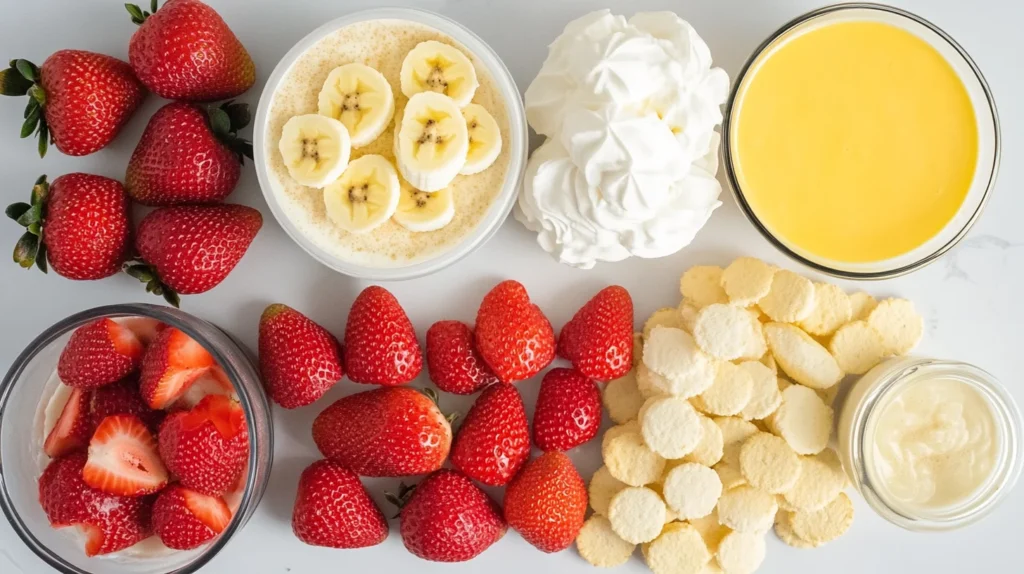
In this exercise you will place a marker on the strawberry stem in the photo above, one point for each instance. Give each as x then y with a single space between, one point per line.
402 498
146 274
138 15
30 249
225 122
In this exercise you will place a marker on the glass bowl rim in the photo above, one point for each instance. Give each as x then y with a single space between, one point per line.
747 210
498 211
179 320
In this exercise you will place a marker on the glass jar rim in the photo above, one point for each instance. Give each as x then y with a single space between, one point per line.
1008 421
252 493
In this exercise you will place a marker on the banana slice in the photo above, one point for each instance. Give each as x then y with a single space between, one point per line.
421 211
361 98
432 141
435 67
484 139
365 196
315 149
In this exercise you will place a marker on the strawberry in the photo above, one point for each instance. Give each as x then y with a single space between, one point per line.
122 398
171 364
123 458
99 353
546 502
512 334
599 338
213 382
452 360
74 426
206 447
78 100
380 342
185 519
568 411
185 51
110 522
192 248
189 154
494 440
447 518
78 225
299 360
391 431
333 509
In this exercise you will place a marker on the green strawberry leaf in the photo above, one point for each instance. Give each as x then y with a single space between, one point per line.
41 261
12 83
33 215
28 70
239 114
44 135
16 210
172 298
29 107
40 190
153 6
31 122
25 250
35 229
138 16
140 272
37 94
220 122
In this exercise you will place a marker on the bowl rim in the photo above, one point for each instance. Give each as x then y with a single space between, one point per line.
500 208
252 493
747 210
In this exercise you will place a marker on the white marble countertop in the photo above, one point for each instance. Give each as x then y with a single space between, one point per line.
971 298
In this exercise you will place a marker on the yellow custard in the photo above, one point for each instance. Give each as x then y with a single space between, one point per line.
854 141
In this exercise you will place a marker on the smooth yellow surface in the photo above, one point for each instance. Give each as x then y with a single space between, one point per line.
855 141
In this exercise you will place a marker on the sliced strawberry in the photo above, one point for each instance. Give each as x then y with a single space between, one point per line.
110 522
145 328
207 447
123 398
73 428
172 363
212 382
123 458
98 354
185 519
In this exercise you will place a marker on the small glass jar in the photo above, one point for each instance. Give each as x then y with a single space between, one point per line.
859 419
25 386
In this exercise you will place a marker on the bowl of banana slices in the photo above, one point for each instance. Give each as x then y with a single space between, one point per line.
390 143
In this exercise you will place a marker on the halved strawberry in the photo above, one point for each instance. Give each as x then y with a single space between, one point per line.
172 363
145 328
98 354
123 458
108 521
185 519
73 428
123 398
212 382
207 447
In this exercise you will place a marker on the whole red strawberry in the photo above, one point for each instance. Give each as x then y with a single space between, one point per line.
333 509
494 440
452 360
207 447
546 502
74 426
299 360
185 519
99 353
512 334
599 338
192 248
185 51
189 154
391 431
380 342
79 100
78 225
122 398
448 519
568 411
109 522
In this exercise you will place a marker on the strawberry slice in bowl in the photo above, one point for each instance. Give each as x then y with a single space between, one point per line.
74 426
171 364
99 353
185 519
123 458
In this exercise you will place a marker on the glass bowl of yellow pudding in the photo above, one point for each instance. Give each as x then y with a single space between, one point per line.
381 38
861 140
931 445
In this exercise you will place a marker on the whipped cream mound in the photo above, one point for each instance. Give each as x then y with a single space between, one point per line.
629 109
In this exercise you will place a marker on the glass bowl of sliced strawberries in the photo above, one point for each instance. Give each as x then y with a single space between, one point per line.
133 439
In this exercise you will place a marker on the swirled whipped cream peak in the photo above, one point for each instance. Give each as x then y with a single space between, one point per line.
629 109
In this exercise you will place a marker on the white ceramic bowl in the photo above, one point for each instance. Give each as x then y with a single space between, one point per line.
516 141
